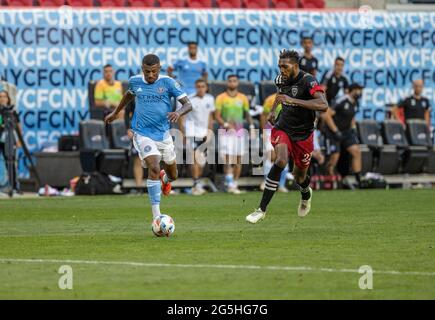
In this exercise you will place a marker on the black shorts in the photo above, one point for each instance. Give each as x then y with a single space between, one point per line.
333 145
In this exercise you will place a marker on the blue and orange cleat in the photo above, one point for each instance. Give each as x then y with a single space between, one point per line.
166 187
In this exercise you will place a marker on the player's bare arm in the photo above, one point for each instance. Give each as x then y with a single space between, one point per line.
319 102
329 120
186 108
271 117
126 99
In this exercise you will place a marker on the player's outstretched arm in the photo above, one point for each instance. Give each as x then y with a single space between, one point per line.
186 107
319 103
126 99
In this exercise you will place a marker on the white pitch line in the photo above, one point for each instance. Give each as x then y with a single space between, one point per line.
216 266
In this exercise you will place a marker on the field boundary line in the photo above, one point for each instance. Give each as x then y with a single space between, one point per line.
215 266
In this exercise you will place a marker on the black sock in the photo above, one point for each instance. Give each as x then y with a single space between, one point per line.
272 183
195 182
304 188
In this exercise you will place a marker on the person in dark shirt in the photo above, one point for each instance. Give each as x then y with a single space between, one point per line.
415 106
334 81
6 104
308 62
341 130
292 136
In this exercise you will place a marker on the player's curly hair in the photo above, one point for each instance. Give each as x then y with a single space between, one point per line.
292 55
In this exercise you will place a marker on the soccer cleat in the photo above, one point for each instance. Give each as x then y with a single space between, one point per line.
283 189
166 187
256 216
234 190
198 191
305 205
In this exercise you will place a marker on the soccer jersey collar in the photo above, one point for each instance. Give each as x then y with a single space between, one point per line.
296 79
146 82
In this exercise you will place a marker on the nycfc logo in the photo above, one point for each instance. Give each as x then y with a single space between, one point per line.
160 90
147 149
294 91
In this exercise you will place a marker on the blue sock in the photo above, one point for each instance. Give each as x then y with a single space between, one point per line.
283 177
154 194
229 179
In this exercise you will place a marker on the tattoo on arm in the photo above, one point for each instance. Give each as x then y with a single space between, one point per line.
186 106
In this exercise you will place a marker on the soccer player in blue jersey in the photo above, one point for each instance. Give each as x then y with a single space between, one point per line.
152 93
189 70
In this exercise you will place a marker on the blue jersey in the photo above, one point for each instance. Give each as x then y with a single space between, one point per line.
188 71
153 102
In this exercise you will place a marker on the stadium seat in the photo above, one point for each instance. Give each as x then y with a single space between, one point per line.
80 3
199 3
386 159
51 3
285 4
118 135
95 154
112 3
94 112
256 4
413 157
419 135
229 4
19 3
215 88
312 4
141 3
171 3
266 88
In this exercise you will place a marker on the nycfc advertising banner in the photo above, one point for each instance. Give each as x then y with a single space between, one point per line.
52 54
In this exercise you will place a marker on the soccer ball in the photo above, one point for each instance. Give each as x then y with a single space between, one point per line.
163 226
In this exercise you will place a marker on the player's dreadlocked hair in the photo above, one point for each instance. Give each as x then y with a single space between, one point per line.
150 60
292 55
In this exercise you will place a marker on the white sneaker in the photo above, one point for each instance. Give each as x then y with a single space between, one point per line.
234 190
283 189
198 191
305 205
256 216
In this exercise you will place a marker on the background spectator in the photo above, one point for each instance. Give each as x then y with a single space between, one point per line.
6 102
415 106
309 62
341 130
108 91
334 81
11 89
189 70
232 107
195 126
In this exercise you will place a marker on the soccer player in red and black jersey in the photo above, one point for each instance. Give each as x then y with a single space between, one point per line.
292 136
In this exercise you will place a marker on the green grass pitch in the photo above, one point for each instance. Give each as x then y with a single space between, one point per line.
214 253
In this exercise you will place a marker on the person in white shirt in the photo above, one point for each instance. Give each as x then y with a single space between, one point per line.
196 126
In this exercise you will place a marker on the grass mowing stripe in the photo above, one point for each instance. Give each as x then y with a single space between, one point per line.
216 266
